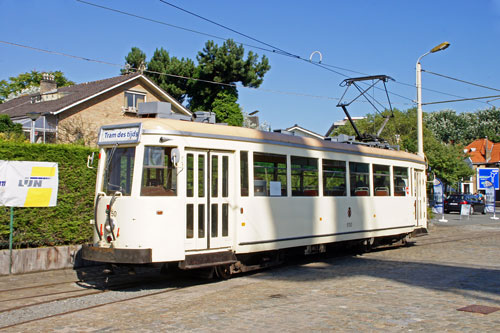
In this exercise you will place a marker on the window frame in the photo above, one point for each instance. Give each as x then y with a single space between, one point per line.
134 99
385 189
331 192
166 174
363 190
278 173
300 172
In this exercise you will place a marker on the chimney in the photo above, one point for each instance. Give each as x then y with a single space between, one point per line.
47 83
488 151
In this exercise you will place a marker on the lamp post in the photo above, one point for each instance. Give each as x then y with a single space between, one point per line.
420 128
33 116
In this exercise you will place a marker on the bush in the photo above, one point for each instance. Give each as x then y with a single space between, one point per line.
66 223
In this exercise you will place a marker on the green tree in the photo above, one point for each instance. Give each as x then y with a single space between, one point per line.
7 125
134 60
163 63
225 64
17 84
447 161
227 110
465 127
10 131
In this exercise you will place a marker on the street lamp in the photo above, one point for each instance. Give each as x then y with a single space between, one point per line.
33 116
420 128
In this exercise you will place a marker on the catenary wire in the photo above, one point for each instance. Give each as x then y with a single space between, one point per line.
274 51
280 51
460 80
321 64
166 74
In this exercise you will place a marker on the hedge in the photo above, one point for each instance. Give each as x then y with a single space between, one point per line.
66 223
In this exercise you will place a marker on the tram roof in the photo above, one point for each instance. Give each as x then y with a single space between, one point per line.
187 128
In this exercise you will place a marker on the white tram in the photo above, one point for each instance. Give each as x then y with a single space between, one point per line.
204 195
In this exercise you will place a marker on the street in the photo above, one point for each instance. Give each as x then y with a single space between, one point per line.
418 287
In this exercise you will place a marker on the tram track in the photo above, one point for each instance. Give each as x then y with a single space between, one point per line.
89 308
87 290
146 280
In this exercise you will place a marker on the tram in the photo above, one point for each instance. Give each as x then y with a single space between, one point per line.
196 195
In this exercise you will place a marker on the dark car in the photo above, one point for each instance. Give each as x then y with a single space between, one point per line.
455 201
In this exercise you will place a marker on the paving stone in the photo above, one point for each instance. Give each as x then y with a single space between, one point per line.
414 288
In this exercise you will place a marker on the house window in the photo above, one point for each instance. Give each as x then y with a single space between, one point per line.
132 99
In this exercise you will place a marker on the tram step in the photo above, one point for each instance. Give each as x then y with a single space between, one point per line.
201 260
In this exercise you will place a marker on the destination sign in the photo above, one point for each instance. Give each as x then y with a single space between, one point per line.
119 134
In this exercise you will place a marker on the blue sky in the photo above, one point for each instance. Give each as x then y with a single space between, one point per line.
371 37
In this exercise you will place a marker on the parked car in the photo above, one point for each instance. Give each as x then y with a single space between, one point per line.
455 201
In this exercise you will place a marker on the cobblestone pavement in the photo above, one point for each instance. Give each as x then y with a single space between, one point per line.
415 288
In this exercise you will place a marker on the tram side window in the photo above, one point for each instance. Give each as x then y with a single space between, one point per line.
120 168
269 172
244 173
360 179
190 175
381 180
159 177
400 181
334 178
304 176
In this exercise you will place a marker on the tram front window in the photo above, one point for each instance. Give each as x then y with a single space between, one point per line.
159 177
119 170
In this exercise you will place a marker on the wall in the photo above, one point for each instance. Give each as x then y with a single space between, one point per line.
86 118
42 259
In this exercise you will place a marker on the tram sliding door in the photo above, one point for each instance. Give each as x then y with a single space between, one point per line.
419 182
208 193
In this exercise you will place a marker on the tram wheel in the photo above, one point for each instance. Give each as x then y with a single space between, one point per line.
223 271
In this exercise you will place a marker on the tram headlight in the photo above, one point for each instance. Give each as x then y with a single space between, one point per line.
109 225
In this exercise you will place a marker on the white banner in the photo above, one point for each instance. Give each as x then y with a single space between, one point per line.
28 184
490 196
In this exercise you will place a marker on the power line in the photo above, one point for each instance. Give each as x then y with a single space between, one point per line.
168 24
274 50
460 80
462 100
232 30
281 51
165 74
59 53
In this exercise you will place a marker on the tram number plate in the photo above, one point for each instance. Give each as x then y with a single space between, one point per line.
349 224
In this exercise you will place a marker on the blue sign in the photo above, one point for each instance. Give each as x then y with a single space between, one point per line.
487 174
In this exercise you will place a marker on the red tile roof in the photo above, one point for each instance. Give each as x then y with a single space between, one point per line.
477 151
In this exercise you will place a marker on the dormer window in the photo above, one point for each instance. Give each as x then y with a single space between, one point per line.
132 99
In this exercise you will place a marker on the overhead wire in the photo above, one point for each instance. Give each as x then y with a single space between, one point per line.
165 74
280 51
460 80
272 50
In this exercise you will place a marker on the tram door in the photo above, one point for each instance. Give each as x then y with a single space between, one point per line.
208 193
420 205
